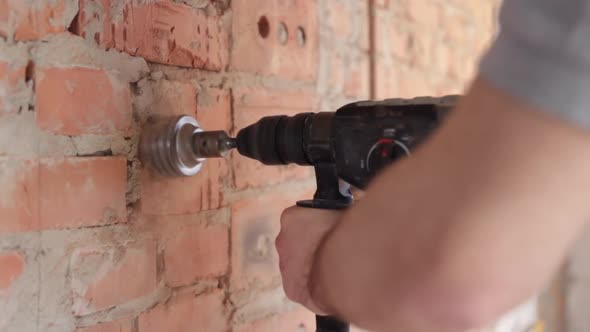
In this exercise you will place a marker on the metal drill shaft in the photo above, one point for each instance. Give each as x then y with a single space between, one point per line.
212 144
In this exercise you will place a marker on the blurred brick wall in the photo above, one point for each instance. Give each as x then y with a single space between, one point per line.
89 239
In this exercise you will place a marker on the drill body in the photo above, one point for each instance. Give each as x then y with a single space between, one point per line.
359 139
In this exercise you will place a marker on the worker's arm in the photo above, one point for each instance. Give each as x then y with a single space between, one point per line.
479 217
471 225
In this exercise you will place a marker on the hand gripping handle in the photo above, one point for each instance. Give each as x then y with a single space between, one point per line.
329 196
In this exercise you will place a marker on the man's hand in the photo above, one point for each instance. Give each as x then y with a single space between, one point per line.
302 231
471 225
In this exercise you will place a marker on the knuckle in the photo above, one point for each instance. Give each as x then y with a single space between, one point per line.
278 241
287 215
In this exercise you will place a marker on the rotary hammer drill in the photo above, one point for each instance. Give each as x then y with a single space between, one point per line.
349 146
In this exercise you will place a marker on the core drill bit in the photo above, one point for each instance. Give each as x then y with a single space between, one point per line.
177 146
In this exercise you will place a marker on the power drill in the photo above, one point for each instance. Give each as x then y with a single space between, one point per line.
346 147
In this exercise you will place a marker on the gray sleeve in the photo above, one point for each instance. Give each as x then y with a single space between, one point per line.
542 55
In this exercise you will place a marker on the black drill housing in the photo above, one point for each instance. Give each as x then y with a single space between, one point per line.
359 139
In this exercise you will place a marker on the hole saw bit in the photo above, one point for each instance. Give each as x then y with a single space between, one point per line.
352 144
177 146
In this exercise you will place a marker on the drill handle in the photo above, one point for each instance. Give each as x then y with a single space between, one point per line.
329 195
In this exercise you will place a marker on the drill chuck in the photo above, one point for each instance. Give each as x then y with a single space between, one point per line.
276 140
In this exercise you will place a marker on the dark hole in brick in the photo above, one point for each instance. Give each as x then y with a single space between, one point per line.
301 38
263 27
135 89
283 33
30 71
75 25
172 29
113 31
97 38
100 153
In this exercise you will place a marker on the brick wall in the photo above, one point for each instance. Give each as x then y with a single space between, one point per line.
89 239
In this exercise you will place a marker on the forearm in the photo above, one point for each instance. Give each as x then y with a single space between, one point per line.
460 232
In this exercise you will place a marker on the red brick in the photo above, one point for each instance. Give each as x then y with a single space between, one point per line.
12 265
387 80
122 325
414 83
462 69
420 48
339 18
102 277
382 3
19 195
75 101
169 196
193 251
267 56
14 91
25 20
211 106
214 109
401 42
426 13
458 29
184 195
249 106
482 13
336 70
255 225
82 191
363 12
356 83
10 77
186 312
159 31
442 59
386 34
295 321
173 98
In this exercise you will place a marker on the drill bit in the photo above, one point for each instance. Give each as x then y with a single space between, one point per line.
178 146
212 144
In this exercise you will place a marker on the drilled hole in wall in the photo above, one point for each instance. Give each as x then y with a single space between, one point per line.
30 71
263 27
283 33
300 36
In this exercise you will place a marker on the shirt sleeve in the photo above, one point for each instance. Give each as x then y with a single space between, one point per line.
542 56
